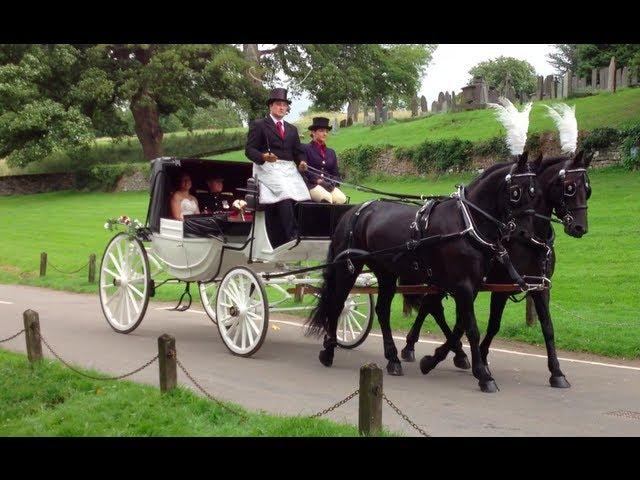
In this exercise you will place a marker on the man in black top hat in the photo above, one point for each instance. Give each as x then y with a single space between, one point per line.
274 147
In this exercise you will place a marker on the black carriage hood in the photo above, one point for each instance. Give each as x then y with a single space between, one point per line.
165 169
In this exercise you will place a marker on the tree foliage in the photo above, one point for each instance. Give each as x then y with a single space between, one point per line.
582 58
523 75
565 57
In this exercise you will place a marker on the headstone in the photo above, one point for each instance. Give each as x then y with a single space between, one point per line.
423 104
335 124
434 107
574 83
343 123
582 83
378 111
548 87
414 106
349 121
618 78
624 77
384 116
634 77
559 92
540 88
611 77
604 78
567 90
493 95
594 78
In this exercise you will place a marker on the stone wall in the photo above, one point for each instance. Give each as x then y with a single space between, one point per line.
38 183
137 181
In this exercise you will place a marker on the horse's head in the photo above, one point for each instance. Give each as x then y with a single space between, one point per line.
567 189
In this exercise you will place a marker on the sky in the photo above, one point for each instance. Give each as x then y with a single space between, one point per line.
449 67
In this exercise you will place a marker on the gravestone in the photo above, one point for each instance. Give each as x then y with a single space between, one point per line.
335 124
634 77
624 77
604 78
566 84
618 78
434 107
493 95
594 78
343 123
559 92
423 104
414 106
540 88
574 83
611 75
384 114
349 121
548 87
378 111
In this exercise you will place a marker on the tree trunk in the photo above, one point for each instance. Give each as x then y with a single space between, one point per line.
147 124
256 106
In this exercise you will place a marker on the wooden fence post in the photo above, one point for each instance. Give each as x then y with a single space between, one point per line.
167 361
299 293
92 268
32 335
370 408
532 316
43 264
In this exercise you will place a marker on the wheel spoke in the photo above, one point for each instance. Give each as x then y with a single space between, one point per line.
120 306
358 325
235 337
126 305
244 335
106 270
112 297
120 257
233 285
135 304
136 291
253 326
248 330
353 335
359 313
116 264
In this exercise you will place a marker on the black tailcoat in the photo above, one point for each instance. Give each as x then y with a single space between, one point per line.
263 136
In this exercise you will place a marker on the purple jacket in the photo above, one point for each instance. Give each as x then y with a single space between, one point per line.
328 165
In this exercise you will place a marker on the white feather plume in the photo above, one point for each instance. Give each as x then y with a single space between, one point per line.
516 123
564 117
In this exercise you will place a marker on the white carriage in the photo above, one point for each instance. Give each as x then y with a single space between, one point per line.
227 257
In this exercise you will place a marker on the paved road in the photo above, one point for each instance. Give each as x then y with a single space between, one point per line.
285 376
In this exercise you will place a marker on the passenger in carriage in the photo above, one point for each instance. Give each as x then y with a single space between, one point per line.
324 165
214 200
182 202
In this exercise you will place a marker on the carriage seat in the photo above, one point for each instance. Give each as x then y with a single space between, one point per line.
319 219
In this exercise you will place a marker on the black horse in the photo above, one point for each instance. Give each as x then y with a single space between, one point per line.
452 242
565 189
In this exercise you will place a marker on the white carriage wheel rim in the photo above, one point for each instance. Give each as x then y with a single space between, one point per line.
241 312
207 296
354 318
123 283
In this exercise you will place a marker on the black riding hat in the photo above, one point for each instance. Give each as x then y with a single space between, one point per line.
278 94
320 122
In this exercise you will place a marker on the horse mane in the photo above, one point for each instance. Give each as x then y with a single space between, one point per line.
488 172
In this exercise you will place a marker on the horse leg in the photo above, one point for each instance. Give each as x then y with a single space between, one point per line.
407 352
541 301
498 302
460 358
386 291
341 286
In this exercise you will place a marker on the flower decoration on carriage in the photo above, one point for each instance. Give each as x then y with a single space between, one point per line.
133 227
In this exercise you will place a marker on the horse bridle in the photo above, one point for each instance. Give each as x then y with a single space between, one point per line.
569 190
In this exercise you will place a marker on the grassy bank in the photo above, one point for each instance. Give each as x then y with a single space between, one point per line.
602 110
596 278
50 400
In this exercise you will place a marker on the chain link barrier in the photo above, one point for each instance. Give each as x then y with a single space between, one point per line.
335 405
49 264
207 394
119 377
405 417
596 322
12 336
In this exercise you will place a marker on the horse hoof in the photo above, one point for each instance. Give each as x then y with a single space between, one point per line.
427 364
462 362
395 369
326 358
408 355
488 386
559 382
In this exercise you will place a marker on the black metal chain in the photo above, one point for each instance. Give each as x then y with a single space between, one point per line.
207 394
407 419
12 336
335 405
67 273
119 377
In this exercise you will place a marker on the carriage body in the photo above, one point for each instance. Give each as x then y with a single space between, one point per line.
235 255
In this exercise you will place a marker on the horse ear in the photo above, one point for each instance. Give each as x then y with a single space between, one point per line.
522 159
587 159
577 159
537 163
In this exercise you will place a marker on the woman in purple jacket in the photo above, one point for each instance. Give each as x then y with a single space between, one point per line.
324 159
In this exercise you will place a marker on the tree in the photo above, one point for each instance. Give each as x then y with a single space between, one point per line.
57 97
523 75
592 55
565 58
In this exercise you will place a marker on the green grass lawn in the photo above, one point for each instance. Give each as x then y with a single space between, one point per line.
50 400
597 277
604 109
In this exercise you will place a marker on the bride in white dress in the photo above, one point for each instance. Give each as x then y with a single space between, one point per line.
182 202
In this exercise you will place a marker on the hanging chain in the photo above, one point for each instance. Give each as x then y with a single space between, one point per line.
12 336
336 405
67 273
399 412
609 324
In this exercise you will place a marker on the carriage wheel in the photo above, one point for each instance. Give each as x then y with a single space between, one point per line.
124 283
355 321
208 296
242 311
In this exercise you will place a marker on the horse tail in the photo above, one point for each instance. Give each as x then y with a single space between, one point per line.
318 320
412 301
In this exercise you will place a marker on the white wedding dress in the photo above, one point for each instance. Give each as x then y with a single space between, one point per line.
188 207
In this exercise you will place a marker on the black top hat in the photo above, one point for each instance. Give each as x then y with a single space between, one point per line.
320 122
278 94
